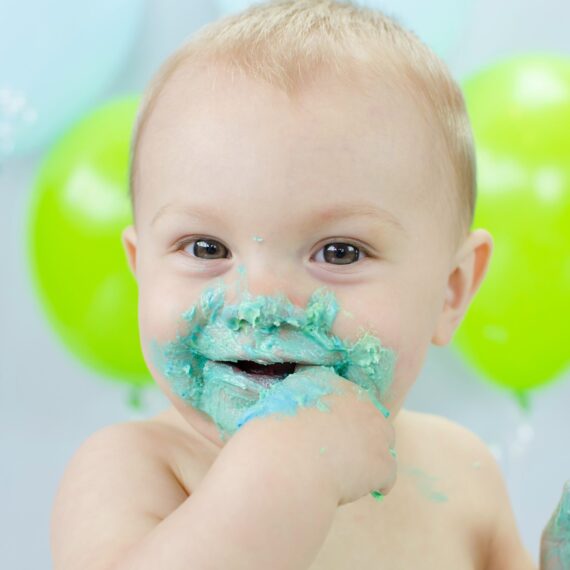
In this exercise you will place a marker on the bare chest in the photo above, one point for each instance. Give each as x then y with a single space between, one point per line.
400 537
415 526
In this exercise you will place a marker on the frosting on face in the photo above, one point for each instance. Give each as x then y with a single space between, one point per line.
267 329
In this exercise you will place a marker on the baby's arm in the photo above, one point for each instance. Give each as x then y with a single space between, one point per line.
506 551
505 548
106 515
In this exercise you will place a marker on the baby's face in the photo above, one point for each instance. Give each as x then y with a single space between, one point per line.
333 190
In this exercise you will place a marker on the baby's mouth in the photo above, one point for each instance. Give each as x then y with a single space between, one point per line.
264 374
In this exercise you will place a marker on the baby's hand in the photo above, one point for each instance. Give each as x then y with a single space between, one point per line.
337 430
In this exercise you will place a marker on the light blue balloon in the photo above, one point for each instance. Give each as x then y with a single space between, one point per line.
56 58
233 6
438 23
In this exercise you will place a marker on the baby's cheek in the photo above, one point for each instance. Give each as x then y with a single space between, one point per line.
153 320
381 320
160 320
162 302
411 356
399 325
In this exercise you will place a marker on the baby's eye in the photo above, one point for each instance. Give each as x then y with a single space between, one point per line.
205 248
335 253
344 253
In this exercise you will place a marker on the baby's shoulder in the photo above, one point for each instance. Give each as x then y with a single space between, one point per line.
111 474
454 464
441 439
450 452
145 453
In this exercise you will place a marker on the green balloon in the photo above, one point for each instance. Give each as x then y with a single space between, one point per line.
79 207
517 330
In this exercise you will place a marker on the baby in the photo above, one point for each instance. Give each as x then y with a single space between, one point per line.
303 186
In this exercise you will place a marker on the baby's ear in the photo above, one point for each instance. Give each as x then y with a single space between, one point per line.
472 262
129 239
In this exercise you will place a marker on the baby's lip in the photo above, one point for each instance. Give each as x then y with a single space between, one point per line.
217 343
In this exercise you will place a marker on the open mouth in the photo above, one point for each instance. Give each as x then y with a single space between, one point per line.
265 374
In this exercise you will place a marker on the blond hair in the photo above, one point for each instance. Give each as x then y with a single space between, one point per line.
286 42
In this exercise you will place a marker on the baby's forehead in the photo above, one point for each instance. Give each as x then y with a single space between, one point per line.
208 124
196 93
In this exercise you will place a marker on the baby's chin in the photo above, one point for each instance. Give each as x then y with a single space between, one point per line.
194 421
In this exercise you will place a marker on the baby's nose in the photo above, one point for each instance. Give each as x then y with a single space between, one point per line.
271 278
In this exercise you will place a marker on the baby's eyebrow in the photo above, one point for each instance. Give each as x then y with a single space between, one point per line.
331 214
196 211
355 209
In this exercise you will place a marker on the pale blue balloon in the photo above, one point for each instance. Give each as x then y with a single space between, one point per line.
56 59
438 23
233 6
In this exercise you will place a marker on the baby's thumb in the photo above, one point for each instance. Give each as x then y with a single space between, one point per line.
555 542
